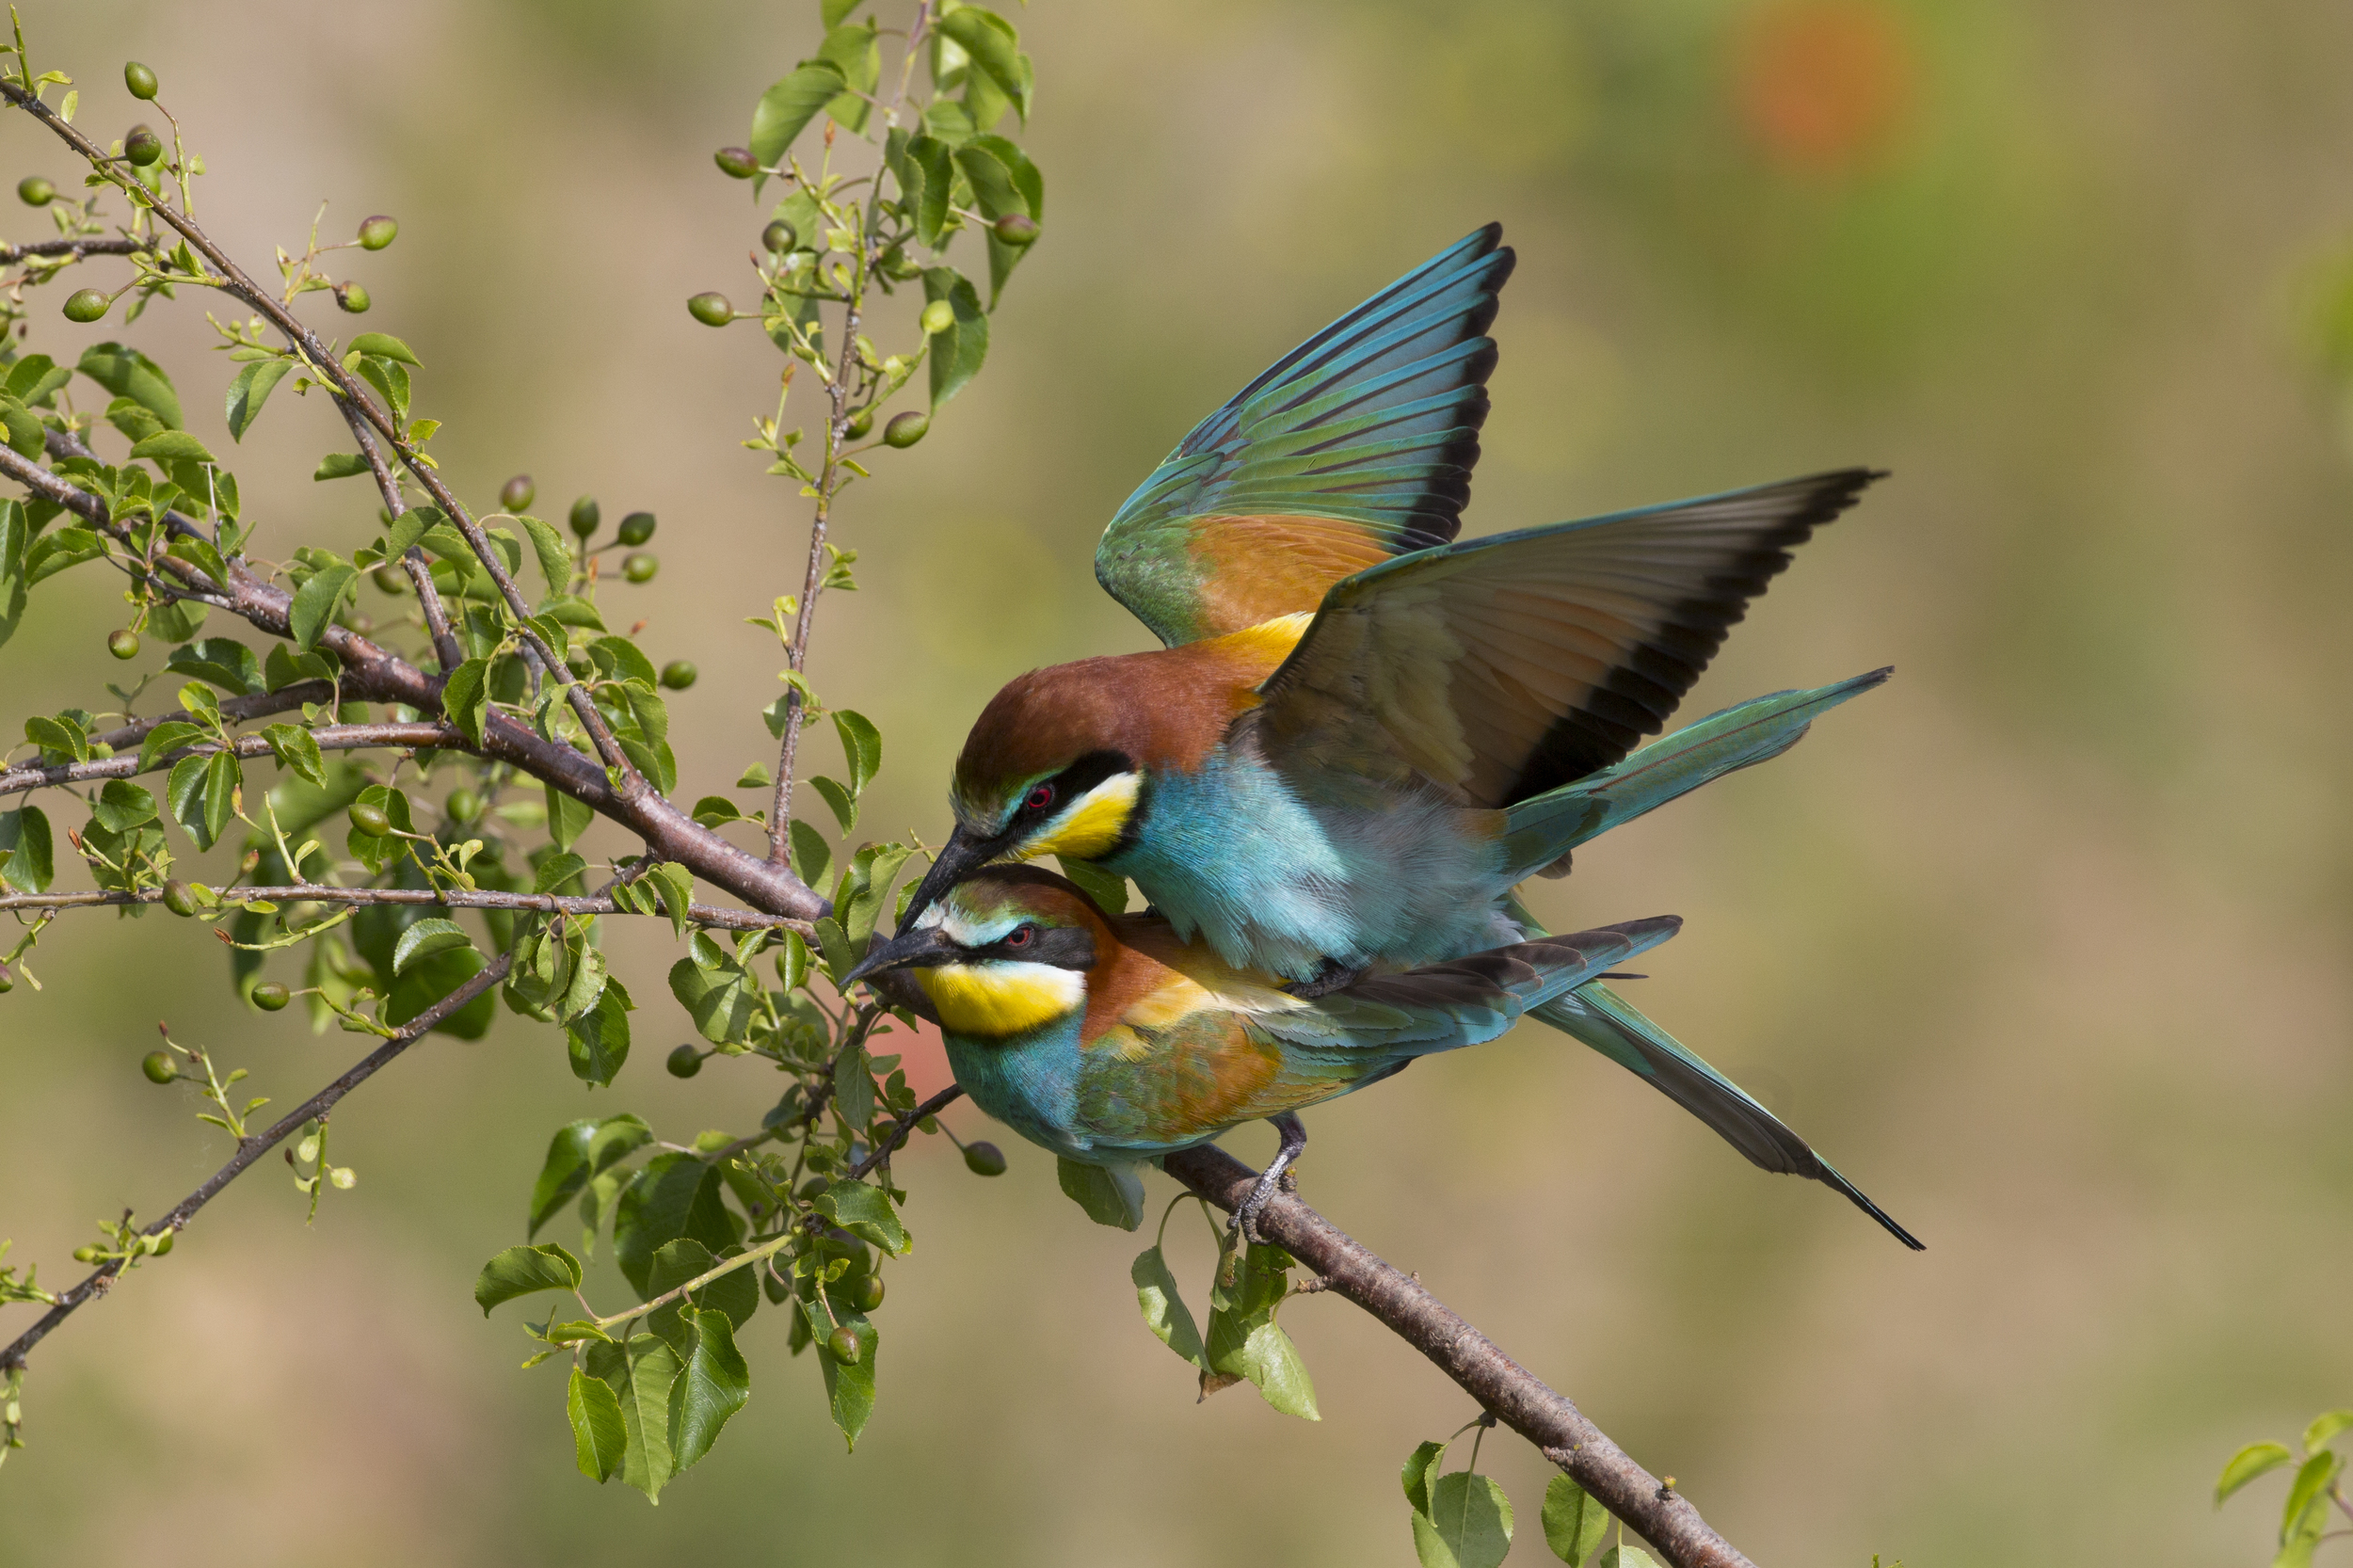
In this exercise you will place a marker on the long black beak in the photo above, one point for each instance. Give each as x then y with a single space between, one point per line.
914 948
961 855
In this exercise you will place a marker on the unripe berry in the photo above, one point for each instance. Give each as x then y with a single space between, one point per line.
178 898
85 305
33 191
897 263
372 820
736 163
390 579
91 1252
352 297
142 146
639 567
517 493
377 232
905 429
637 529
158 1068
140 80
938 316
777 236
586 514
1018 230
463 805
861 425
123 643
868 1293
269 996
711 309
841 1342
678 674
162 1243
7 981
985 1160
685 1061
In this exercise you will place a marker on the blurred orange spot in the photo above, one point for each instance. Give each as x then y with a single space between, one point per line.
1823 84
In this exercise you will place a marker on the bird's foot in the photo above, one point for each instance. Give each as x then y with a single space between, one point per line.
1333 976
1278 1176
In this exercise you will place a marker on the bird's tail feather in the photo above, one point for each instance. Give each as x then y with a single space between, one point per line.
1541 829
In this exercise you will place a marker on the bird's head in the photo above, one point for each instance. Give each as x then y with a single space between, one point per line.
1002 952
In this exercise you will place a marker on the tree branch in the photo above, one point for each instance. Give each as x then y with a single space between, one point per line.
449 898
252 1149
330 736
76 249
1516 1396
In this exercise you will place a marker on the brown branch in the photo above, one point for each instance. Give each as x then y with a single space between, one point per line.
450 898
905 1125
234 708
1515 1395
252 1149
330 736
445 646
76 249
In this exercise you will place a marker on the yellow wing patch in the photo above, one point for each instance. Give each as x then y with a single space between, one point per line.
999 998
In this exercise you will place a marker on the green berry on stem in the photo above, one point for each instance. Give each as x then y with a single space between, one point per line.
517 493
390 579
123 643
142 146
1018 230
843 1344
370 819
162 1243
586 514
736 163
868 1293
90 1252
85 305
158 1068
463 805
377 232
637 529
985 1160
679 674
33 191
178 898
352 297
861 425
905 429
269 996
685 1061
937 317
777 236
7 981
639 567
140 80
710 307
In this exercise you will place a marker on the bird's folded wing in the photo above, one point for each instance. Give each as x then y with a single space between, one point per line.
1355 446
1506 666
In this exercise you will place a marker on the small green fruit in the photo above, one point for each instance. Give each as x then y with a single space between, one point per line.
158 1068
123 643
179 898
369 819
33 191
685 1061
162 1243
269 996
1017 229
861 425
517 493
85 305
937 317
580 662
639 567
352 297
586 514
7 981
140 80
710 307
679 674
842 1343
777 236
905 429
736 163
377 232
390 579
868 1293
142 146
91 1252
985 1160
637 529
897 263
463 806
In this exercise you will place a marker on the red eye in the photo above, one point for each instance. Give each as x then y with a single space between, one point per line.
1039 798
1019 935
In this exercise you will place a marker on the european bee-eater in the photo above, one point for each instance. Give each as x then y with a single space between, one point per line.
1361 736
1110 1040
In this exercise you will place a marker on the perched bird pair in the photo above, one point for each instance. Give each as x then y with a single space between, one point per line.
1359 739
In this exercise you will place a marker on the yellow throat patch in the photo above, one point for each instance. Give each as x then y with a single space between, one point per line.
1000 999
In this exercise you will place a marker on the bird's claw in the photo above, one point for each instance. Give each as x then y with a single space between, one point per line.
1278 1176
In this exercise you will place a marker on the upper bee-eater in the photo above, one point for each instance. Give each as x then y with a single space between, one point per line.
1361 736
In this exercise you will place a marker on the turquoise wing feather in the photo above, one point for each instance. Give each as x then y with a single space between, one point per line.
1355 446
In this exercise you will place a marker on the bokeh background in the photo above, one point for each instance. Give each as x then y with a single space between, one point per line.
2045 943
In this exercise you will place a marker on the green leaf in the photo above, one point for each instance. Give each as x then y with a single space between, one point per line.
812 857
853 50
714 1384
2309 1494
26 859
466 699
425 939
1625 1557
1244 1341
672 1196
522 1271
1109 890
930 178
297 750
169 446
55 551
224 661
719 996
1468 1525
2254 1459
1164 1311
578 1151
223 775
787 108
340 465
849 1389
123 804
391 382
1420 1466
16 535
555 556
865 1212
597 1041
996 50
599 1439
2324 1428
957 353
843 804
674 885
184 793
640 1374
34 379
249 391
429 981
128 372
1110 1196
832 12
568 818
1574 1522
314 604
861 745
384 347
734 1296
26 438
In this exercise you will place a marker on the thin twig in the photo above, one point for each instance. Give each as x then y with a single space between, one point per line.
450 898
76 249
330 736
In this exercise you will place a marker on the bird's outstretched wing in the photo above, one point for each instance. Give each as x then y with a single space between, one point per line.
1506 666
1355 446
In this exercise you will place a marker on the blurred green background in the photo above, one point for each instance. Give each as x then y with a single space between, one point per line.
2045 944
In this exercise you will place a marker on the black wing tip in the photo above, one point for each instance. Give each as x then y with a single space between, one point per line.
1828 1175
